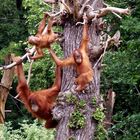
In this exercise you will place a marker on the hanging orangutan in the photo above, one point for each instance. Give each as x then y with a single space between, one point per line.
39 103
80 59
43 40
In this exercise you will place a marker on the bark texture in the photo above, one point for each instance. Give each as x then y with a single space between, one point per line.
5 85
109 105
63 110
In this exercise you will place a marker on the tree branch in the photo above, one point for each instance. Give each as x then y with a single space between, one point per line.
81 11
110 41
64 8
31 51
15 63
104 11
50 1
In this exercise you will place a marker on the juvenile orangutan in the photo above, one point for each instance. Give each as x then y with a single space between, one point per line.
80 59
43 40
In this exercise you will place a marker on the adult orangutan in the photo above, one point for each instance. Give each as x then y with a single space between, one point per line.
39 103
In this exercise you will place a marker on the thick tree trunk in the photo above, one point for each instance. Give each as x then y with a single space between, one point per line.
65 106
5 85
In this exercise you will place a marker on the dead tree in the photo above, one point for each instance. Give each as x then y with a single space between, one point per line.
5 85
109 105
77 113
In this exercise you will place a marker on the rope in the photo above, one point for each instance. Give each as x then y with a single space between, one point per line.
22 58
13 99
16 98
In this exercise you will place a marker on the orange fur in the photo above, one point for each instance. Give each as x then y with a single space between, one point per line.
80 59
39 103
43 40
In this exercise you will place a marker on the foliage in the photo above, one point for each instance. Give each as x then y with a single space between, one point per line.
77 120
98 115
71 99
127 128
1 131
122 73
101 133
94 101
35 9
81 104
12 26
27 131
12 48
